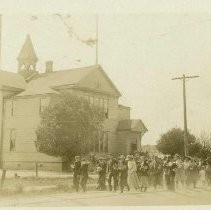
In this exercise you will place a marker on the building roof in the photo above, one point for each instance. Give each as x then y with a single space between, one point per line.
47 82
131 125
123 107
27 52
12 80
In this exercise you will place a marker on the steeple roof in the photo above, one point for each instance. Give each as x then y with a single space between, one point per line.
27 53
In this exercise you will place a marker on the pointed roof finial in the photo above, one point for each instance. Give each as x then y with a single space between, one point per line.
27 53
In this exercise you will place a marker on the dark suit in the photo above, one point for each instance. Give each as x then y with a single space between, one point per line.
84 175
123 173
102 176
113 174
76 174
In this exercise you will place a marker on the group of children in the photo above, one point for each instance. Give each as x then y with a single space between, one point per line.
137 172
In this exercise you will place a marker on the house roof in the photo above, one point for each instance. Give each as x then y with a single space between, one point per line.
123 107
27 52
13 80
131 125
46 82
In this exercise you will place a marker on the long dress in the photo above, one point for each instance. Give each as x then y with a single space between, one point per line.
133 180
193 174
144 171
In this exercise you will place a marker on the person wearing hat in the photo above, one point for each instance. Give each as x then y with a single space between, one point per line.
76 172
170 168
180 176
101 169
187 163
123 170
133 179
112 167
144 173
156 172
84 173
193 173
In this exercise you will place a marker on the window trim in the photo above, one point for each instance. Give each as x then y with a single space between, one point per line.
13 149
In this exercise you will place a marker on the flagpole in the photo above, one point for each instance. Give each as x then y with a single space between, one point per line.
97 22
0 39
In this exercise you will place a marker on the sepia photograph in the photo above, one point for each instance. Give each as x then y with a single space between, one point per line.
102 109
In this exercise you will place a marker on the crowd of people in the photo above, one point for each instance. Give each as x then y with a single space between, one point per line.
138 172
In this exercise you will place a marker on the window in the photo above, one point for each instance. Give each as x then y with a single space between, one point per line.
91 100
12 139
101 136
43 103
133 147
101 102
96 144
105 142
106 107
14 108
97 101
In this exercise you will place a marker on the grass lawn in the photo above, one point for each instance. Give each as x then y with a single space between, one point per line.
28 185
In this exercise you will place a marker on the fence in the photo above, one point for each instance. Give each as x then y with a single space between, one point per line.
32 168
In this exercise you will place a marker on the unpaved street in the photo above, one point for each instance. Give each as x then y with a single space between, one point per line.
197 196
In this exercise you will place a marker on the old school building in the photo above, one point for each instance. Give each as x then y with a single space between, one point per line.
23 96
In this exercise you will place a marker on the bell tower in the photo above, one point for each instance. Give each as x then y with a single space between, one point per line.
27 58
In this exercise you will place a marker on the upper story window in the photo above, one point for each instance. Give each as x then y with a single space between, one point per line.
105 142
14 107
105 107
101 102
12 139
43 103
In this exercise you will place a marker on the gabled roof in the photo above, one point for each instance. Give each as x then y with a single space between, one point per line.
27 52
48 82
131 125
109 80
12 80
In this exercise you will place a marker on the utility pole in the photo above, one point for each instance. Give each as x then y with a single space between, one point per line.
183 78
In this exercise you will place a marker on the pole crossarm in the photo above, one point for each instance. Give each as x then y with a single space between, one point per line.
186 77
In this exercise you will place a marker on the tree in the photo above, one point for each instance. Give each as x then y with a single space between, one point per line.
205 142
69 125
172 143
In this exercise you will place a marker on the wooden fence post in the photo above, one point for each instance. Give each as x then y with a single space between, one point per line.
3 178
36 169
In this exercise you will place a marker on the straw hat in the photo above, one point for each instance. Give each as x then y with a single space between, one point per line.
122 157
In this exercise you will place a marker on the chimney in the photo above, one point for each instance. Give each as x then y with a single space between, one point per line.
49 66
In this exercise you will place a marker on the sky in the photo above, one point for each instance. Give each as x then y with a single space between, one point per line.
139 52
